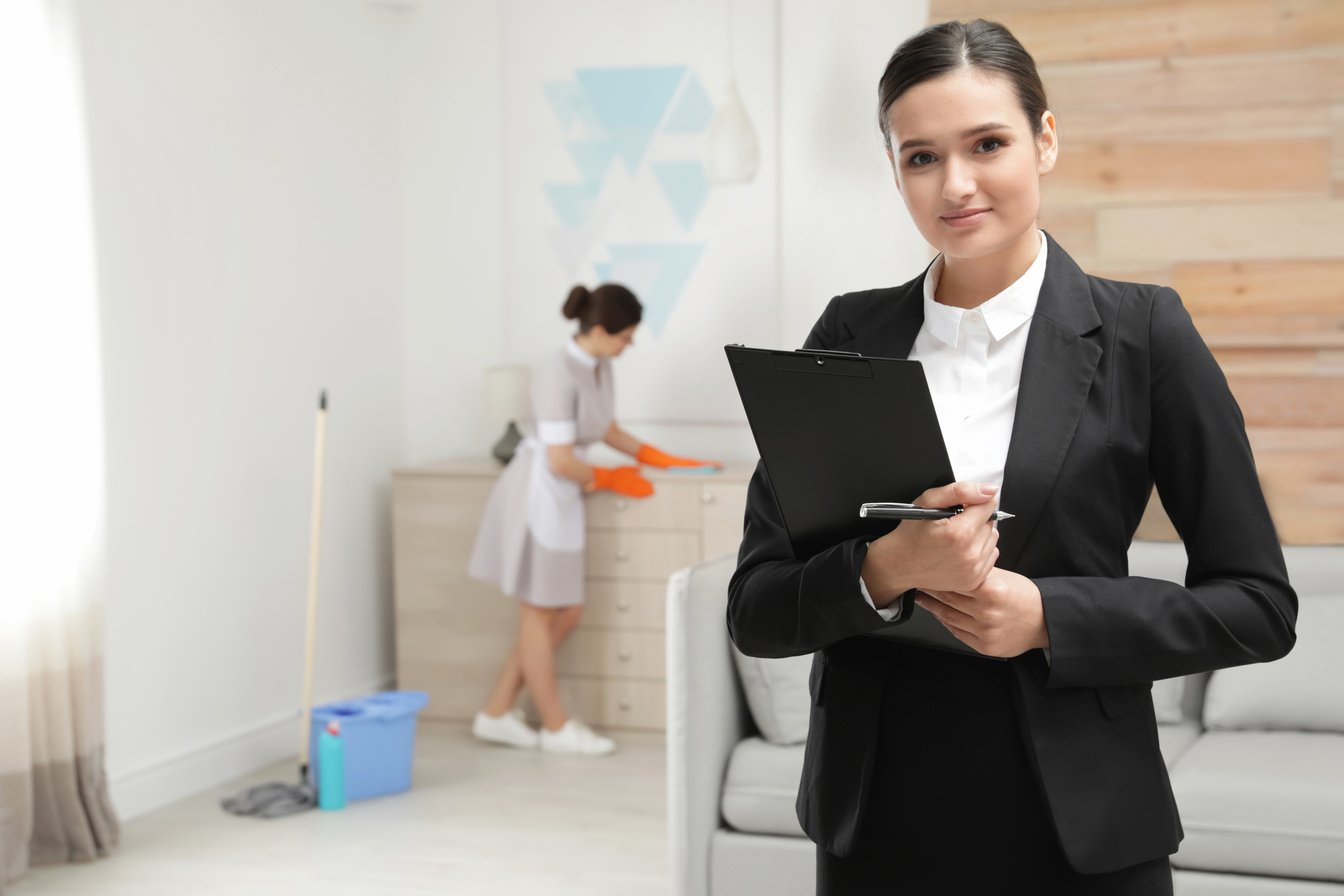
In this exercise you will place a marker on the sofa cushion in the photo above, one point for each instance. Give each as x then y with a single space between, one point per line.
761 787
1167 696
1263 802
1304 691
776 691
1176 739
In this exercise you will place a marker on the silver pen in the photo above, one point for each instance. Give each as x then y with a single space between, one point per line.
883 510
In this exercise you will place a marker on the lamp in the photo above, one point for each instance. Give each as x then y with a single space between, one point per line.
733 153
507 401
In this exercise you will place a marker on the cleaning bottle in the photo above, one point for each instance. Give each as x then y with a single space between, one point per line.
331 768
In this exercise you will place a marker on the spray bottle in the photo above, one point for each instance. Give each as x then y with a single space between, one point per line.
331 767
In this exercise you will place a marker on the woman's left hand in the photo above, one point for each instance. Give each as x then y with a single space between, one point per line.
1003 617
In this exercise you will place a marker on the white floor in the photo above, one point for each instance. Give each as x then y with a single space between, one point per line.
480 820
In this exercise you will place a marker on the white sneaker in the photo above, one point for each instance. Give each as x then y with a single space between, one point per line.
576 737
506 729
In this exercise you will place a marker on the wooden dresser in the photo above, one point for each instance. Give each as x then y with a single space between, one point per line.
453 633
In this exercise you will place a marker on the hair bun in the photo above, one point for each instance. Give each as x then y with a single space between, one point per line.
578 298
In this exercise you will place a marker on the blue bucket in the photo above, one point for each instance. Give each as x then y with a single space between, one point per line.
378 736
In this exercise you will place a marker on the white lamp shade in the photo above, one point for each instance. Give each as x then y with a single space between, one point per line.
733 154
508 394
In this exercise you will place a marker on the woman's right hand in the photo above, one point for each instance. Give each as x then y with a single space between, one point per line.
622 480
954 554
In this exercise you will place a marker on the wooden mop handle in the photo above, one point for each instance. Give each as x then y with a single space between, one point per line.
314 554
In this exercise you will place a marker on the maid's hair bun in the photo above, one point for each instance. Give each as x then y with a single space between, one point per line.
579 297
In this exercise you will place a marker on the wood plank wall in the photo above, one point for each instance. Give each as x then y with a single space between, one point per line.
1202 147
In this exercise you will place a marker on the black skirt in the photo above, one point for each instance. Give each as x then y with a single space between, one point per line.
955 807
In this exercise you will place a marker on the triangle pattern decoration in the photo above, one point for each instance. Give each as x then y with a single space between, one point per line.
686 187
694 109
592 157
657 272
564 97
572 202
630 103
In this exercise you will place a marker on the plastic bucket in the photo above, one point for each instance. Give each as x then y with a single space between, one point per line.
378 736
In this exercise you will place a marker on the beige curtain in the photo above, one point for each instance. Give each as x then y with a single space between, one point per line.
54 803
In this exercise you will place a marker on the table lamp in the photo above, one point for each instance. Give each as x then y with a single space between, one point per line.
508 400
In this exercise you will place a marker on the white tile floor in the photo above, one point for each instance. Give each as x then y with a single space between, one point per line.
480 820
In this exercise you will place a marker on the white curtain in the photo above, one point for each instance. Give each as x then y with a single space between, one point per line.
53 793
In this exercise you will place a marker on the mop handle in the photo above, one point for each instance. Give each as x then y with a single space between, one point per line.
314 553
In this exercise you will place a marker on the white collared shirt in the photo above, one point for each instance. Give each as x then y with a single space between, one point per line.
575 351
973 362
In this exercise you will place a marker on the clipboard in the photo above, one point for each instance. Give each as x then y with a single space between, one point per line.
838 429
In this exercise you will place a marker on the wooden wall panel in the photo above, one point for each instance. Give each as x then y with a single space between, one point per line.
1262 287
1202 146
1226 123
1145 30
1314 76
1111 173
1223 232
1309 23
1337 151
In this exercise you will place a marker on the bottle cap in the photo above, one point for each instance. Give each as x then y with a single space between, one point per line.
334 727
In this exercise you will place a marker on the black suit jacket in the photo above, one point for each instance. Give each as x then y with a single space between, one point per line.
1118 392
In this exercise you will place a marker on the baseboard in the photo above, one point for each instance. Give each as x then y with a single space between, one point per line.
219 761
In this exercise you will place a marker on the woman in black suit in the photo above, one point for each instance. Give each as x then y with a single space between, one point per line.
1070 396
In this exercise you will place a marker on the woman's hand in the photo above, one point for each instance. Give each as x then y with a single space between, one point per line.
954 554
1003 617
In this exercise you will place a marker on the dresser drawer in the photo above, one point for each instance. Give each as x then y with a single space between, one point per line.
616 554
673 505
620 653
612 703
612 603
722 508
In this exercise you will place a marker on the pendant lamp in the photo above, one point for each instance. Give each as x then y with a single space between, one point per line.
733 154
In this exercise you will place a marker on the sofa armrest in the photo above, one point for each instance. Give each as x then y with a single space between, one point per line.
706 716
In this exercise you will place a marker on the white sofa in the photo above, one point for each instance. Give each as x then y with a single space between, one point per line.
1256 753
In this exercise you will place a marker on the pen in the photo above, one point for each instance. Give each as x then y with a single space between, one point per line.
887 511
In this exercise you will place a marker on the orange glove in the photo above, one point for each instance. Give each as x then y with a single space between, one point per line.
623 480
655 458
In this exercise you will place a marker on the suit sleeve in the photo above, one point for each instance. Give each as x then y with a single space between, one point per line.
778 604
1236 606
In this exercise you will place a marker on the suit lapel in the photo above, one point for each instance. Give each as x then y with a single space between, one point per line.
888 328
1057 373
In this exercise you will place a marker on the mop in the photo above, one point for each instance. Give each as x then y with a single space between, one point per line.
277 798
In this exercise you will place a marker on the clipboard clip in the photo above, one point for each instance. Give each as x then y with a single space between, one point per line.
822 354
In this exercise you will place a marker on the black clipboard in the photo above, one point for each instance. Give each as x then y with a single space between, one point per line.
838 429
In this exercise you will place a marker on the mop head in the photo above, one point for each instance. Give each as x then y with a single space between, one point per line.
271 800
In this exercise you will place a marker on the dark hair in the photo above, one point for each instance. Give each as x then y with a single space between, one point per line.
611 306
949 46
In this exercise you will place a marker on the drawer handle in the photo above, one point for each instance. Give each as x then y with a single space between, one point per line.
623 606
708 497
624 704
622 555
624 654
622 504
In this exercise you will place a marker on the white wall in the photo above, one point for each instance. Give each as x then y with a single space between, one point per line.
451 221
245 166
313 194
821 218
843 225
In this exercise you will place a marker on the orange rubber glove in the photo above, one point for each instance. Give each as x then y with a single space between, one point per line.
623 480
655 458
